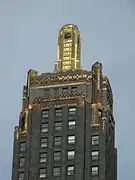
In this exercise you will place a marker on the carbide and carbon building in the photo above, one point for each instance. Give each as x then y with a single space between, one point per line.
66 126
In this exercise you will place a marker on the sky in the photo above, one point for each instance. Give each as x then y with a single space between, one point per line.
28 39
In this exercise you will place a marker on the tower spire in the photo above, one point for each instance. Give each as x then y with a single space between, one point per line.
68 55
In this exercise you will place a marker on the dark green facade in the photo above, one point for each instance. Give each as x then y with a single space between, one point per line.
66 128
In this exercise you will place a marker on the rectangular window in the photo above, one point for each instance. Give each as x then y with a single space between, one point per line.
71 124
74 90
67 63
44 142
43 173
58 126
71 155
43 157
71 139
56 91
67 44
57 141
70 170
95 155
94 171
72 110
21 176
67 53
66 67
66 58
58 112
45 113
22 146
46 92
65 91
44 127
56 156
22 162
66 49
56 171
95 140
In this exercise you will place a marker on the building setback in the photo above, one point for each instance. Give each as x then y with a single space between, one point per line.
66 127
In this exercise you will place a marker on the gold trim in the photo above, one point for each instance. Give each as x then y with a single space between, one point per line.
60 106
95 125
58 85
39 80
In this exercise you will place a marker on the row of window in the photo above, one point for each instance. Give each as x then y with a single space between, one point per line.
58 126
67 44
70 171
57 172
58 112
67 49
43 157
70 156
71 140
58 141
67 53
67 58
66 63
66 67
67 90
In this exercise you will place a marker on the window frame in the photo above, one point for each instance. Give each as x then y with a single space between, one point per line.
65 90
21 177
56 142
72 155
58 128
71 126
95 172
44 129
58 112
72 140
46 115
95 141
74 89
72 111
22 164
70 172
43 175
57 156
56 171
22 148
43 159
95 156
46 142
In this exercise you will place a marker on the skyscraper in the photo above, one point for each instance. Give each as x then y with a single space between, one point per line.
66 127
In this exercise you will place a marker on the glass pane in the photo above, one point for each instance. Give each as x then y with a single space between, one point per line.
43 142
45 113
43 157
56 171
57 141
71 124
58 126
57 156
42 173
71 154
70 170
22 146
71 139
44 127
